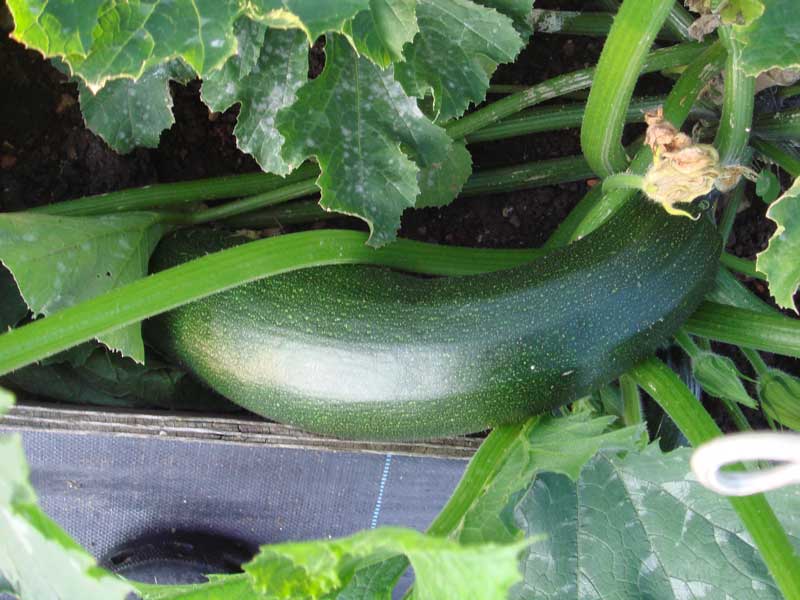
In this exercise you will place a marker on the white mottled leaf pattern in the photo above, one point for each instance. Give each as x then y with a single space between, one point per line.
459 45
269 85
640 526
128 113
353 118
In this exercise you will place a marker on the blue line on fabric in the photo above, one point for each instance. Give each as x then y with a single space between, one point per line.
381 487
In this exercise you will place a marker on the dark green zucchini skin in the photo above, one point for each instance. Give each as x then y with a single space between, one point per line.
364 352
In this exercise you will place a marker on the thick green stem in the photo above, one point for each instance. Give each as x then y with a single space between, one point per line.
633 32
527 175
631 400
737 106
622 181
292 213
790 91
223 270
490 181
686 342
741 265
171 195
750 329
676 25
676 109
785 159
231 209
759 366
729 290
678 22
779 126
554 118
729 214
673 56
568 22
492 453
755 512
593 24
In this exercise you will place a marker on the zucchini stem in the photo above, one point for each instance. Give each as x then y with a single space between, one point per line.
741 265
737 106
785 159
631 400
622 181
657 60
635 27
729 214
676 109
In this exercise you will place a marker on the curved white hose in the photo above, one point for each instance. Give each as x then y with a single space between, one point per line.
708 460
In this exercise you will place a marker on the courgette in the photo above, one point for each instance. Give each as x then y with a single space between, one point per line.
365 352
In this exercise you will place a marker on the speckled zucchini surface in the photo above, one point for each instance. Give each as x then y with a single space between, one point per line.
365 352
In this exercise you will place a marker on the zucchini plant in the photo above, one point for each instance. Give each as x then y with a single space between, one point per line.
553 349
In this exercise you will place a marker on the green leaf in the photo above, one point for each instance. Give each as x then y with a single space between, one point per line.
772 40
128 113
640 526
6 401
719 377
741 12
266 86
520 12
353 117
12 308
374 582
219 587
103 40
37 558
543 444
62 261
442 568
57 27
131 37
440 183
767 186
321 568
314 17
481 509
381 32
458 47
779 393
780 262
106 379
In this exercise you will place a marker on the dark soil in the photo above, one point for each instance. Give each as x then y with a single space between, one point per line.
47 154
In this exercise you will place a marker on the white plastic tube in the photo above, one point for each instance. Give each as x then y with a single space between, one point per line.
708 460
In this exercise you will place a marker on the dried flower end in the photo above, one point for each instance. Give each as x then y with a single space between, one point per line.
682 170
663 135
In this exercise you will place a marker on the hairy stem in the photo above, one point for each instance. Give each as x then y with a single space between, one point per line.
634 29
737 106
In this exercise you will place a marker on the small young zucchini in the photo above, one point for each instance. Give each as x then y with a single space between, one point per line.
366 352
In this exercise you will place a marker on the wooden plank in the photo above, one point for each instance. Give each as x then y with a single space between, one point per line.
239 429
